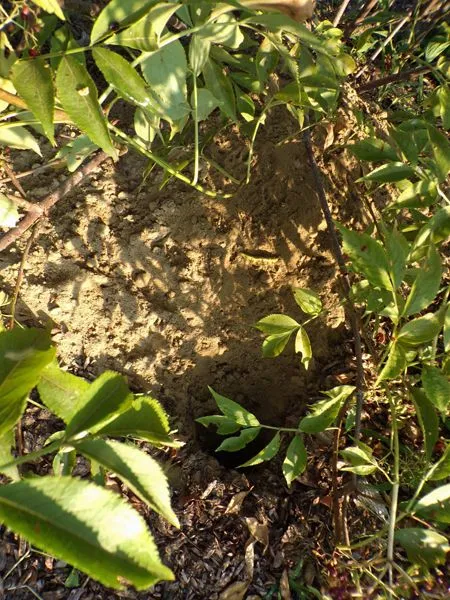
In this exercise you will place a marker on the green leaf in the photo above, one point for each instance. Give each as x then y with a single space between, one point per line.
428 420
426 284
198 53
244 104
435 505
325 412
309 301
7 442
224 425
367 257
9 215
266 453
447 329
419 331
437 387
434 49
394 171
145 33
144 419
119 13
104 399
73 520
232 444
18 138
51 7
166 71
274 344
206 103
423 546
139 471
221 88
125 80
442 468
234 411
222 30
373 149
33 82
397 249
362 463
415 195
276 324
444 102
76 151
395 364
78 95
437 228
146 125
303 345
296 459
60 391
441 152
24 353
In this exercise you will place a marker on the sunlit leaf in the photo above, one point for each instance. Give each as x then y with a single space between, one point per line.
435 505
436 386
419 331
73 520
296 458
274 344
423 546
395 364
60 391
20 138
303 346
428 420
441 152
118 13
224 425
237 442
51 7
389 173
325 412
308 300
277 324
9 215
76 151
7 443
266 453
234 411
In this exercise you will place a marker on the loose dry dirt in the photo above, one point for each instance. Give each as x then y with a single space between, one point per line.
164 285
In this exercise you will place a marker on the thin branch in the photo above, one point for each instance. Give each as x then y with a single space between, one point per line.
33 236
340 12
14 180
28 206
396 78
60 115
75 179
349 306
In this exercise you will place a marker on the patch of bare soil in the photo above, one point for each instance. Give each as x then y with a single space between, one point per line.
164 285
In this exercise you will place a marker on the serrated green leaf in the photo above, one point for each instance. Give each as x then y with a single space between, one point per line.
199 49
101 403
125 80
60 391
78 95
296 459
7 442
72 519
444 103
361 470
374 150
441 152
276 324
303 346
266 453
415 195
76 151
423 546
435 505
367 257
361 462
221 88
206 103
222 30
325 412
426 284
139 471
389 173
428 420
225 426
419 331
397 249
33 82
436 386
234 411
24 353
235 443
442 468
9 215
51 7
309 301
274 344
145 33
145 419
395 364
166 71
18 137
119 14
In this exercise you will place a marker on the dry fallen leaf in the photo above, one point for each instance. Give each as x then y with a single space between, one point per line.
258 530
235 591
285 589
235 503
250 560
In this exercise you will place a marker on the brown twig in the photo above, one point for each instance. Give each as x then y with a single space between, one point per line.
52 164
396 78
59 115
34 233
14 179
340 12
344 281
75 179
